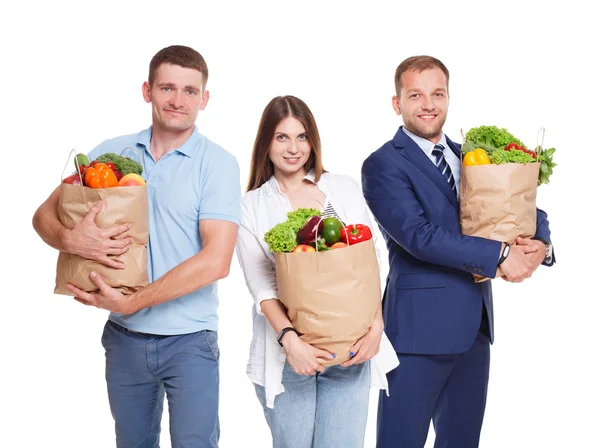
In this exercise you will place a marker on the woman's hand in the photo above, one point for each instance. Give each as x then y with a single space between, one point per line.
303 357
367 346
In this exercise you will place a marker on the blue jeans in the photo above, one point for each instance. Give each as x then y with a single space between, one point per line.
141 368
326 410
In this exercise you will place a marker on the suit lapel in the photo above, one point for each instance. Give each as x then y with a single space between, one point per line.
409 149
454 147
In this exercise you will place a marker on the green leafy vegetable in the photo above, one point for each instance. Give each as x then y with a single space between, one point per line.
470 146
282 237
124 164
503 147
491 135
546 164
500 156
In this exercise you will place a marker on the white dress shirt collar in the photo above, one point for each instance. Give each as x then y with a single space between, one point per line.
273 185
426 145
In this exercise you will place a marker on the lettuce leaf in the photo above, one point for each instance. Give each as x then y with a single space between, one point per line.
500 156
491 135
282 237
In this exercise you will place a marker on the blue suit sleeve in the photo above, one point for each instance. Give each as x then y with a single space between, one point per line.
543 231
394 204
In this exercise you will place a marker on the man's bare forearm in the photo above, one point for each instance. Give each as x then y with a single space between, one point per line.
47 225
212 263
201 270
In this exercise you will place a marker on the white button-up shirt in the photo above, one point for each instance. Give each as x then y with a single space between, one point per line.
262 209
427 147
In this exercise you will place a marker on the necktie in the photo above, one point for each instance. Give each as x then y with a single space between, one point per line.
440 162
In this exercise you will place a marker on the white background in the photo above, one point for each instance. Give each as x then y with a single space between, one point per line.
72 75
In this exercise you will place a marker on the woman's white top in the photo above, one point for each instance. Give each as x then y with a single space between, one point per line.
262 209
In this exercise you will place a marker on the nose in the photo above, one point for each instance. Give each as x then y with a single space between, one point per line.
176 99
292 149
428 103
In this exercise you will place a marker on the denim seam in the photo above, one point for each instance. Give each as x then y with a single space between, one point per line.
210 346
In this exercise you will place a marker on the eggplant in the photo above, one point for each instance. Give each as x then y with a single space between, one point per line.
308 234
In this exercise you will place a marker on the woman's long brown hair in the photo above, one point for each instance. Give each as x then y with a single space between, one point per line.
278 109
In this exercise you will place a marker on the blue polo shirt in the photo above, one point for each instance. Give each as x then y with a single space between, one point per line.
199 180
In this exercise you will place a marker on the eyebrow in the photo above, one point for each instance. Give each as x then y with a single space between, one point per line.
286 135
170 84
439 89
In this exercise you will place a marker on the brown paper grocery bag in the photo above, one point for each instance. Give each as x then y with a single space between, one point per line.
120 205
332 297
498 202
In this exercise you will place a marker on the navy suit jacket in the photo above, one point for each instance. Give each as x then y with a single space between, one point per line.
432 304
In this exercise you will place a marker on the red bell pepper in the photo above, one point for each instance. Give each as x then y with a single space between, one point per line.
355 233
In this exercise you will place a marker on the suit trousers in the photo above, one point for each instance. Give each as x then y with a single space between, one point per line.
450 389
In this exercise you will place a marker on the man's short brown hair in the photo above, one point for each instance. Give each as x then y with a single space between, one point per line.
178 55
419 64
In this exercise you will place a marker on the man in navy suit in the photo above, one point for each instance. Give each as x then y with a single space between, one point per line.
439 320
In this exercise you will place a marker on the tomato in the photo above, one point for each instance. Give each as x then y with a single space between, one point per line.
510 146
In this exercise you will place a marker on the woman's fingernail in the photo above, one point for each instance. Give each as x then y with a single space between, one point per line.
333 355
351 354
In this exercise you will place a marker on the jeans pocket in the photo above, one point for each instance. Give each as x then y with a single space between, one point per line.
212 341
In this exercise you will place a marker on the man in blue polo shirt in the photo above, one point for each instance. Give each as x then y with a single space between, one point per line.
162 339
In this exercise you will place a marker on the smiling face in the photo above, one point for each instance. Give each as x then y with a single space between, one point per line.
177 95
290 149
423 102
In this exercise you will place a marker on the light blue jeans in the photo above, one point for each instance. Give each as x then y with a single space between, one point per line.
326 410
141 368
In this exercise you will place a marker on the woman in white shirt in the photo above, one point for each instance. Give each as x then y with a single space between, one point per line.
305 405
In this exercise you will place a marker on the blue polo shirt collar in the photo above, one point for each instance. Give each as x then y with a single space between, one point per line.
144 137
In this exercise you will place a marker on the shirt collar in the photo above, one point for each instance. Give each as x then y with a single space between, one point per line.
426 145
144 137
273 185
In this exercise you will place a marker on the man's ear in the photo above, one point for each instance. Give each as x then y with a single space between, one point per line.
396 105
205 98
147 91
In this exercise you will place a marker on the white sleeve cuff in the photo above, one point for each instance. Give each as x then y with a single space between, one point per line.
264 295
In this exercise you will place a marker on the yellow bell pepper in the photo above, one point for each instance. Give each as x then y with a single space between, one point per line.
469 159
481 157
476 157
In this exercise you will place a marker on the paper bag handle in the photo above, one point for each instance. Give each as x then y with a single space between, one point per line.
538 148
76 165
139 155
463 142
317 233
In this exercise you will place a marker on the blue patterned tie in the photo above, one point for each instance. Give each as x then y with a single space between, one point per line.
440 162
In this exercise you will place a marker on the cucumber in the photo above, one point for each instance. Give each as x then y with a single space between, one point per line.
81 159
